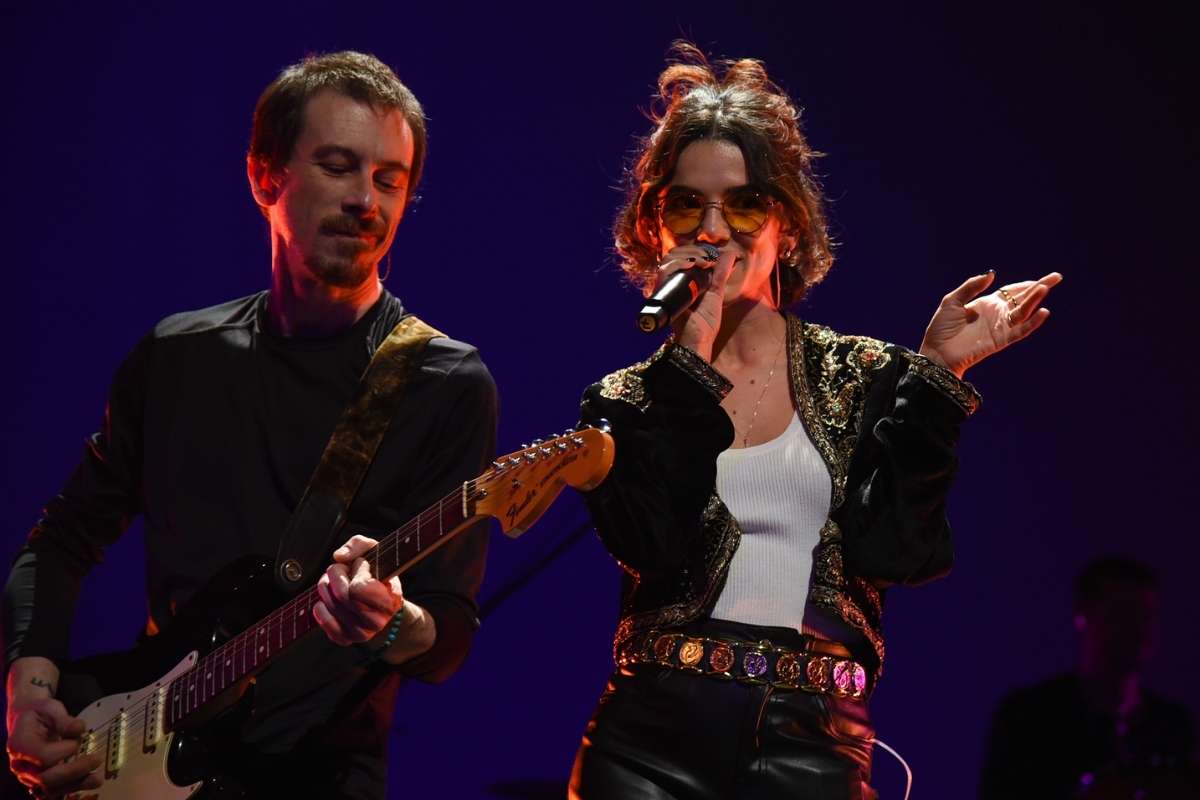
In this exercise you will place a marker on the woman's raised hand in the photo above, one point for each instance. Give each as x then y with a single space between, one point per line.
967 328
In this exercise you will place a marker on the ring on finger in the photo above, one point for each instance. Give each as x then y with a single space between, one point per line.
1008 298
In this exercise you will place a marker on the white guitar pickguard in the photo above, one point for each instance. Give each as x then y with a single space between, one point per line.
126 730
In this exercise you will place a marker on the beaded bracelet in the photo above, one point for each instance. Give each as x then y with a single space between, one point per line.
393 631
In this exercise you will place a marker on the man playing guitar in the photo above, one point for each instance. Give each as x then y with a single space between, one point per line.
213 426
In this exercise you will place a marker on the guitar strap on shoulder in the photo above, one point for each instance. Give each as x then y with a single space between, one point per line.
349 453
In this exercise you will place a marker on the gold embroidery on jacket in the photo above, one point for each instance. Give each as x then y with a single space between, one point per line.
827 557
798 374
841 386
626 384
954 387
844 607
829 384
700 370
871 593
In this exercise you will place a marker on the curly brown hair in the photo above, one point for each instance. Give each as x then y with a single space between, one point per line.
279 114
734 101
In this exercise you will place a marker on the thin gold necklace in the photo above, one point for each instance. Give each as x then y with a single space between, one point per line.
767 385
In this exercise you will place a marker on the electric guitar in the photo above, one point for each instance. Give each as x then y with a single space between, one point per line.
163 741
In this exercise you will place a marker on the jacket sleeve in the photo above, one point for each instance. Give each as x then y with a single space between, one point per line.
93 509
894 518
668 427
446 582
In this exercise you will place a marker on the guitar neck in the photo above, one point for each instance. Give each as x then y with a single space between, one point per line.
516 490
251 651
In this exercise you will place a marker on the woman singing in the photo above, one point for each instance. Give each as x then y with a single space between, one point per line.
772 477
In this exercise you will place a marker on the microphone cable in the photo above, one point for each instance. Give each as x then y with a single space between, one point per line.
903 763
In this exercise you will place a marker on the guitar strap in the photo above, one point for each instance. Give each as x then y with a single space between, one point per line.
322 509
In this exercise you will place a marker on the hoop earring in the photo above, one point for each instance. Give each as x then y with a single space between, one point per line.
780 265
387 271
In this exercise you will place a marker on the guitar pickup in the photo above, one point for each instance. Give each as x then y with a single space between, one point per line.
152 731
115 745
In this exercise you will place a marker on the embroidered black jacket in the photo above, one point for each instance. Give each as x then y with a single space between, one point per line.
885 421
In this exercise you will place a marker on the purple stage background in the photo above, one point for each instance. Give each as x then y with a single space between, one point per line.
1023 139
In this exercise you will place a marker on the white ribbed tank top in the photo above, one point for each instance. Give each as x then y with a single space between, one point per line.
778 492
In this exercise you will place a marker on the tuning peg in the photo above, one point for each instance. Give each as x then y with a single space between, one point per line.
562 447
535 442
497 465
545 451
531 457
515 461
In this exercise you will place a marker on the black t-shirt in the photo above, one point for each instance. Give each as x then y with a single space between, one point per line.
1047 743
212 430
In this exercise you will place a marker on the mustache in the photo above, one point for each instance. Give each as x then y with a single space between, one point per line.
352 226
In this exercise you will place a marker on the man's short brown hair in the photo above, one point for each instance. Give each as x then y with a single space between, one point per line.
279 114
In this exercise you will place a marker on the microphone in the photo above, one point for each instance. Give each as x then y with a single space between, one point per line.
676 295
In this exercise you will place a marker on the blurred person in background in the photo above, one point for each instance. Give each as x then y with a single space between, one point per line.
1097 732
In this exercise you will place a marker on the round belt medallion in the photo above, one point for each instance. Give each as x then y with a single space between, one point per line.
663 646
691 652
721 657
817 673
787 669
849 678
754 664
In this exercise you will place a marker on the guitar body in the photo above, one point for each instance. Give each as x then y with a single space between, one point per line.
143 761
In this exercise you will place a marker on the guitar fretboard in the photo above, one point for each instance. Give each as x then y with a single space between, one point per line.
249 651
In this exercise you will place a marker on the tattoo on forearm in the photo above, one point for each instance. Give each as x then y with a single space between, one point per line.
44 684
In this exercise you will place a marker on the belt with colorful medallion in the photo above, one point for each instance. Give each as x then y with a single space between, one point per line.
822 667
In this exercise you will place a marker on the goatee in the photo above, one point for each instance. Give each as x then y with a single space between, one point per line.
345 270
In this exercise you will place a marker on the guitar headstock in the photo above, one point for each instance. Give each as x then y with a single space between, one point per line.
520 486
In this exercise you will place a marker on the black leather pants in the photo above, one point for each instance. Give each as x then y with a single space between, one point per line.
664 734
